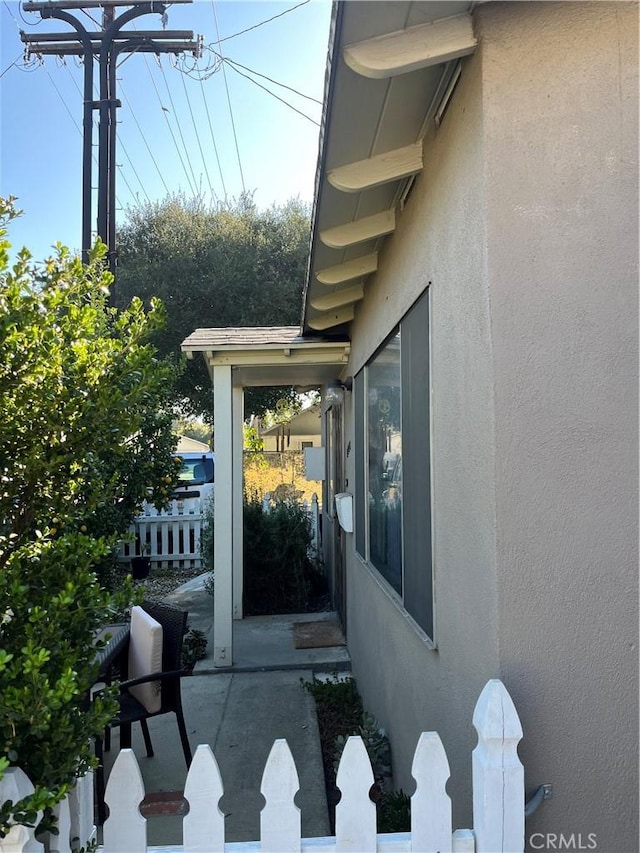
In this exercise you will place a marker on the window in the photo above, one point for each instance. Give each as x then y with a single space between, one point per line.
393 466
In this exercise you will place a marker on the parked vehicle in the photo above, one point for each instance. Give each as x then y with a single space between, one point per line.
196 476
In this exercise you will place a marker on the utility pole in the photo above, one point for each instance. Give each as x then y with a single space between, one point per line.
105 44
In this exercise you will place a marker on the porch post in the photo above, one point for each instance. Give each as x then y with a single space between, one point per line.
237 500
223 517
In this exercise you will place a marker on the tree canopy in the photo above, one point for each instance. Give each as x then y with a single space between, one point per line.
231 265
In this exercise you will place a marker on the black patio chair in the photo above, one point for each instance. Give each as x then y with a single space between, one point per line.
167 681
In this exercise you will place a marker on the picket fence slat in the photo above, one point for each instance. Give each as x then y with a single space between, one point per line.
125 830
463 841
498 775
498 800
203 827
280 824
61 843
14 786
355 813
430 804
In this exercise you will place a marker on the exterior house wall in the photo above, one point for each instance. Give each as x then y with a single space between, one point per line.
560 94
524 226
440 239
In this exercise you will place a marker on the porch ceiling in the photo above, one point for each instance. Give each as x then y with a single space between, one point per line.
270 355
389 67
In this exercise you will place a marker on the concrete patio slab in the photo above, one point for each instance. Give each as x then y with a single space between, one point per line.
239 713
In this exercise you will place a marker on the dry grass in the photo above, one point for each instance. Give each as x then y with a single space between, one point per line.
265 471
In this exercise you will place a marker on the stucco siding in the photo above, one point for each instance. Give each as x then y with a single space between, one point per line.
560 134
439 243
524 226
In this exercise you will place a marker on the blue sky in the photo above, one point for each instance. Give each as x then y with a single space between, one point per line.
41 115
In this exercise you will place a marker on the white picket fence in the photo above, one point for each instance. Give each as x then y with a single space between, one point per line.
172 535
498 800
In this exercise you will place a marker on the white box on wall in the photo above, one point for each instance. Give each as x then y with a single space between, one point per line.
314 463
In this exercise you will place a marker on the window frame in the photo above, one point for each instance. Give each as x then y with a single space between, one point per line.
417 569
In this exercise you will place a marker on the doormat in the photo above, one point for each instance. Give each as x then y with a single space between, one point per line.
317 635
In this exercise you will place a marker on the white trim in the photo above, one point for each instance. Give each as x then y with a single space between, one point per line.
333 318
349 270
223 518
377 170
416 47
339 297
237 560
359 231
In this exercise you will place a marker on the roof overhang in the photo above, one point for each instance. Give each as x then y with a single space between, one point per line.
270 355
390 67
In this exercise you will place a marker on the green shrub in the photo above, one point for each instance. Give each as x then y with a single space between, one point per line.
277 569
394 812
340 714
194 648
83 432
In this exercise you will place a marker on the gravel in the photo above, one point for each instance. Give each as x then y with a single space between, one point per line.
162 582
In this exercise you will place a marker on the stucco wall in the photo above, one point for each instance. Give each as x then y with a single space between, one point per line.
561 142
525 223
440 239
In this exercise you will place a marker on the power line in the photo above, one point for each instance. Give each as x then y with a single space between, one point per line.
195 127
9 67
277 97
175 115
122 145
213 139
262 23
64 103
144 139
166 118
226 86
271 80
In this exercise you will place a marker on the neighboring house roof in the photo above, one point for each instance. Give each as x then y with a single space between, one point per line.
191 445
375 117
306 422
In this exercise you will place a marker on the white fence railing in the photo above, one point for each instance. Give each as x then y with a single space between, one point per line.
170 537
498 799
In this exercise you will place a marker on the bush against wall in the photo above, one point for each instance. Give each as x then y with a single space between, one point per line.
279 577
82 435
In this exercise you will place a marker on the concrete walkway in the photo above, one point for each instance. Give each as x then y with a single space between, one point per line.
240 712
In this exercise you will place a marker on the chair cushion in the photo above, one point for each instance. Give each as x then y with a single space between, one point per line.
145 657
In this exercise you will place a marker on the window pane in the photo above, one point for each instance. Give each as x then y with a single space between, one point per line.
384 457
359 449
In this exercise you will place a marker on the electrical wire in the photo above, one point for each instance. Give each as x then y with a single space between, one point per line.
175 115
166 118
271 80
144 139
262 23
9 67
195 128
226 86
121 145
8 8
277 97
64 103
213 139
